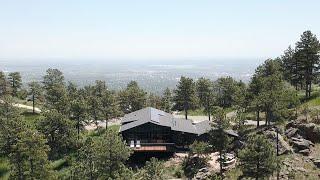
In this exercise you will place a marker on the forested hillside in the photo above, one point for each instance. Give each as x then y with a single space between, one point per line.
49 140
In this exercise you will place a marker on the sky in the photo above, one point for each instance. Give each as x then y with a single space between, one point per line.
150 29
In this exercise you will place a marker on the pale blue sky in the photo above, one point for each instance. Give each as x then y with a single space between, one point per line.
150 29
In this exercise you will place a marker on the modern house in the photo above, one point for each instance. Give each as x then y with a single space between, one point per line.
153 130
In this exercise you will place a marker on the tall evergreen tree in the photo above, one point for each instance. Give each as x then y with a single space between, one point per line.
132 98
4 85
29 158
55 91
185 95
59 131
307 51
111 153
218 137
35 91
225 88
109 106
154 101
78 113
166 101
258 158
205 95
15 82
269 91
291 67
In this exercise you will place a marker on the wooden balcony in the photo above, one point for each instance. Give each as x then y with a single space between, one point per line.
151 146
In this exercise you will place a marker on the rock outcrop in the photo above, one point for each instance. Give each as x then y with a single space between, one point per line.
316 162
284 147
308 131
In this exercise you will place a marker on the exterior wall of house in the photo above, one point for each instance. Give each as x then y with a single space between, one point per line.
152 137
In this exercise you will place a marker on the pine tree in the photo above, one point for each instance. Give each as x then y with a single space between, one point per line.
258 158
29 158
132 98
36 92
307 52
109 106
55 91
166 101
59 131
78 113
225 88
269 91
291 67
185 95
85 167
218 137
154 101
15 82
255 88
205 95
11 123
4 85
153 170
111 153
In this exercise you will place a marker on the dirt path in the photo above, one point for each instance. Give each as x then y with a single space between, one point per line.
29 108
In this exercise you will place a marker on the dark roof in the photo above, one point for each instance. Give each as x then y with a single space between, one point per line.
161 118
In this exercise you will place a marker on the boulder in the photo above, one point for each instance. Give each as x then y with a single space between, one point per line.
305 152
291 132
308 131
317 162
284 147
301 144
203 173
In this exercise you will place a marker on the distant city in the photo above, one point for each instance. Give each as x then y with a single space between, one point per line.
154 76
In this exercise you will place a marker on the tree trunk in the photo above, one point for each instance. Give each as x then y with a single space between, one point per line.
107 121
78 128
33 104
258 167
31 167
258 118
221 161
186 113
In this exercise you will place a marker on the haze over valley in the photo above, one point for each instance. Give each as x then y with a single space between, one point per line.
154 75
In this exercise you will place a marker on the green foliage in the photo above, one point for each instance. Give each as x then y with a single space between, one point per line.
154 101
109 105
153 170
78 112
192 164
270 94
59 164
4 167
218 138
258 158
59 131
185 95
4 85
35 91
132 98
226 88
301 65
206 95
55 91
166 101
200 148
103 158
15 82
28 157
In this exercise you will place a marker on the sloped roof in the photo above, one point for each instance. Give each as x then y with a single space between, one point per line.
161 118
